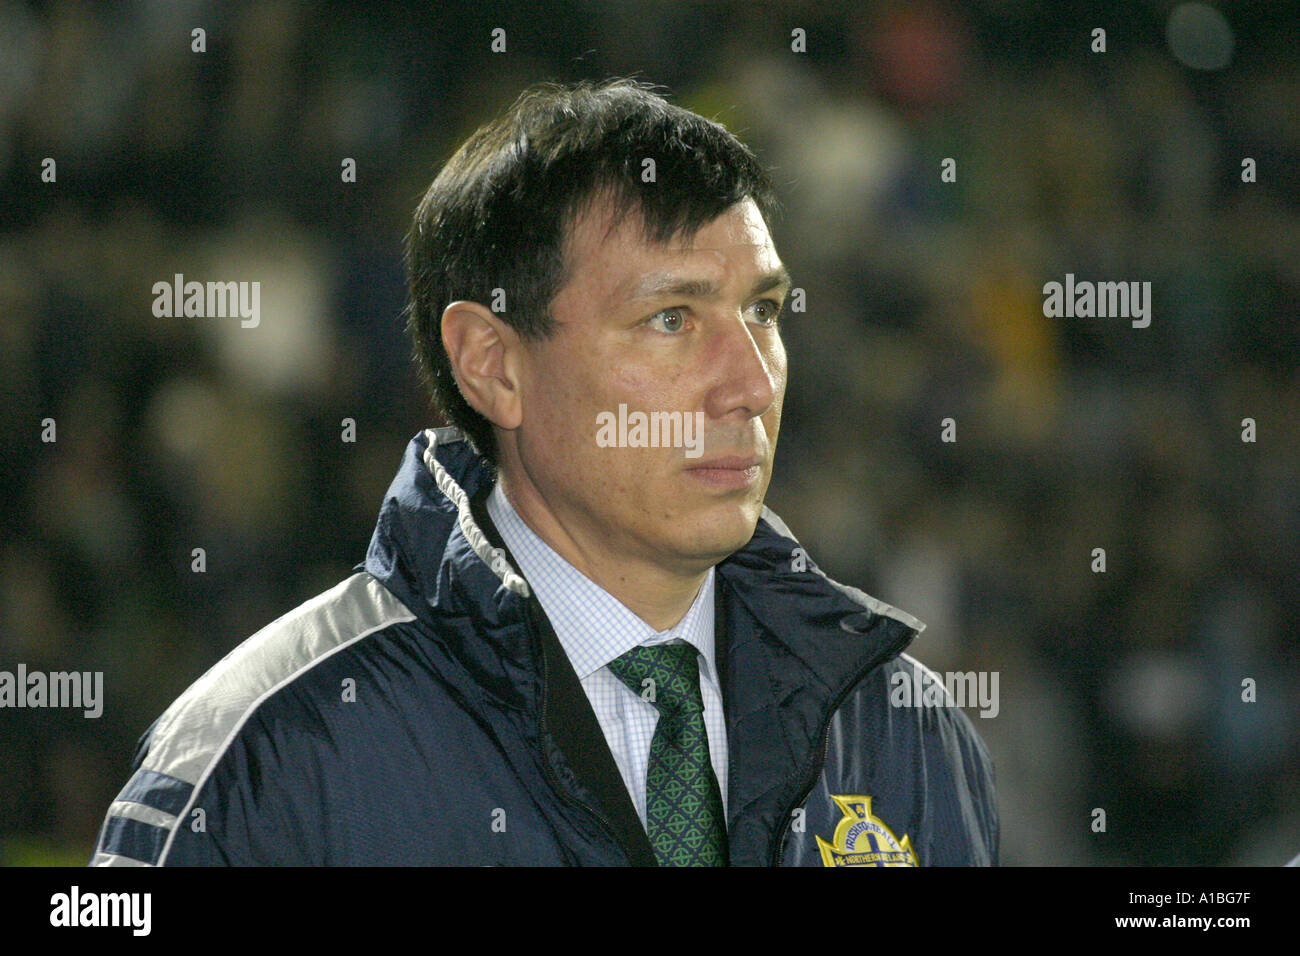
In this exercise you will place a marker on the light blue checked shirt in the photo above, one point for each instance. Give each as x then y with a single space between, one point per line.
595 628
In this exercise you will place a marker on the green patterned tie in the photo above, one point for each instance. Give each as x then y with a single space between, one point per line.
684 817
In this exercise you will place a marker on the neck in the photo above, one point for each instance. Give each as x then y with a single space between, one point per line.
656 595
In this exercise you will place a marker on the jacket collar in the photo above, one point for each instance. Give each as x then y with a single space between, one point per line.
430 550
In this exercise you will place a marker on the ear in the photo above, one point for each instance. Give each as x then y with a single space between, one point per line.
485 354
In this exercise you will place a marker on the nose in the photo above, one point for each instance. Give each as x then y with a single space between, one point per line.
749 367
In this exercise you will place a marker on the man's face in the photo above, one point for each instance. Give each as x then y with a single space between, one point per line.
685 327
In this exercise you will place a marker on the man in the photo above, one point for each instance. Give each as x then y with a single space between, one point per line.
578 636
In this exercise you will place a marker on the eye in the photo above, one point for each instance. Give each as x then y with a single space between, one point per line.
769 311
673 320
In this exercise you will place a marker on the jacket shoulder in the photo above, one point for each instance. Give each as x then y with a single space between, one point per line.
182 748
926 753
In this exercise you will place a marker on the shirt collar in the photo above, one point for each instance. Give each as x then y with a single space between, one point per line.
592 625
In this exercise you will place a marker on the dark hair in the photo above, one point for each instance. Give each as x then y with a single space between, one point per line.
499 214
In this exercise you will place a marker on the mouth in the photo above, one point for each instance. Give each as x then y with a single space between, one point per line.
731 473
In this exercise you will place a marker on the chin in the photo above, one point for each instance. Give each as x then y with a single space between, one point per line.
718 535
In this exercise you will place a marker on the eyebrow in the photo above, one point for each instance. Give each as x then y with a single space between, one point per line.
664 284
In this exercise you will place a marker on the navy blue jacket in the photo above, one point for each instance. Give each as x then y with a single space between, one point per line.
423 712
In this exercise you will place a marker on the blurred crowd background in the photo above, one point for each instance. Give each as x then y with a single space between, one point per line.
1119 690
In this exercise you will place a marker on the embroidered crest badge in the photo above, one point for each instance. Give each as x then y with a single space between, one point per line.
862 839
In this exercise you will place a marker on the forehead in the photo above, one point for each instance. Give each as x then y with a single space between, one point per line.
609 258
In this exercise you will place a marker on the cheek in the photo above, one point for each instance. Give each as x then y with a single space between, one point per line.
772 417
629 372
778 363
559 387
567 393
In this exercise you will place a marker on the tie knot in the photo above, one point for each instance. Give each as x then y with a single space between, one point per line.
666 675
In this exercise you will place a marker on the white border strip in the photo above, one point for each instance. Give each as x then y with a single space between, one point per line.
219 752
494 558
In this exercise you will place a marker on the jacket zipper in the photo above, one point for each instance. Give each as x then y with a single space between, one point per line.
814 771
546 762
